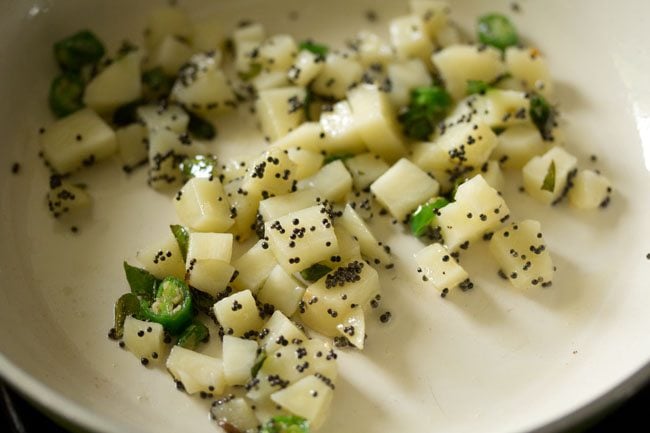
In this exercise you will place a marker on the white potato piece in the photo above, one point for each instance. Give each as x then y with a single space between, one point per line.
166 149
146 340
280 110
208 34
372 249
279 331
333 181
266 80
164 21
493 175
196 371
330 300
439 268
157 117
377 122
403 187
132 146
449 35
235 411
302 238
277 53
590 190
459 63
305 68
306 136
217 246
163 258
410 38
340 133
518 144
537 170
477 209
118 84
65 198
353 328
253 267
275 207
310 398
238 315
502 108
171 54
77 140
522 254
281 291
372 49
243 209
269 175
308 162
434 14
202 205
202 87
404 77
209 275
238 359
529 67
365 169
339 73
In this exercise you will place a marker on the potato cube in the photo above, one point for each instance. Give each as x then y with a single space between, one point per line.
333 181
269 175
196 371
238 315
437 266
208 34
590 190
410 38
281 291
253 267
372 249
340 133
434 14
518 144
243 209
280 110
405 76
278 330
306 136
65 198
522 254
266 80
277 53
308 162
372 49
171 117
540 169
116 85
165 21
132 146
170 55
235 411
305 68
77 140
354 328
238 359
209 275
310 398
339 73
163 259
217 246
529 67
144 339
202 205
275 207
365 169
502 108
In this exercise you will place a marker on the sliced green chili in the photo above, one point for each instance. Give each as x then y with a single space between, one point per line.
157 84
172 306
195 334
496 30
543 115
66 94
424 215
127 305
477 87
428 105
76 51
320 50
549 180
182 236
286 424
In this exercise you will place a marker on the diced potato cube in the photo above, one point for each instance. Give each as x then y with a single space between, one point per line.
77 140
156 117
372 49
459 63
116 85
333 181
203 87
529 67
403 187
238 359
279 331
277 53
410 38
434 14
144 339
202 205
310 398
280 110
238 315
196 371
502 108
330 300
251 32
270 80
439 268
305 136
372 249
493 175
305 68
376 122
404 77
365 169
518 144
166 149
253 267
235 412
270 174
477 209
208 34
308 162
538 168
302 238
217 246
354 328
449 35
243 208
171 54
165 21
132 145
339 73
281 291
340 133
209 275
522 254
163 259
590 190
275 207
65 198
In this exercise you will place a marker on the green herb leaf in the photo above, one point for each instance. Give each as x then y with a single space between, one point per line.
320 50
424 215
142 283
182 236
549 180
259 361
66 94
286 424
543 115
428 106
336 157
477 86
315 272
200 128
496 30
76 51
252 72
157 84
127 305
198 166
195 334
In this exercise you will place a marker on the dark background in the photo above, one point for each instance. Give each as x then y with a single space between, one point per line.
18 416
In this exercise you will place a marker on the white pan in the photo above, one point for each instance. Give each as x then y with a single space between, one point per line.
491 360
